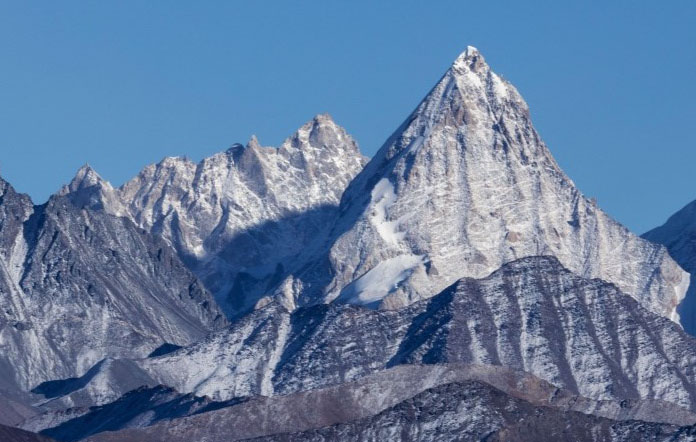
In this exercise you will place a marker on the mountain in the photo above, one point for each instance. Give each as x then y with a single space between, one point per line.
238 218
78 285
339 412
531 315
463 186
678 234
456 286
476 411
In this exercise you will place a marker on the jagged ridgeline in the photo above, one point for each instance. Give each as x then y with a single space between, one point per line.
452 287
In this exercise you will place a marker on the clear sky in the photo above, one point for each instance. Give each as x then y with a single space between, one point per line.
121 84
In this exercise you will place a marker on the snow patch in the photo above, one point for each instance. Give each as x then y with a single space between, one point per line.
679 295
283 332
383 198
416 144
499 88
379 281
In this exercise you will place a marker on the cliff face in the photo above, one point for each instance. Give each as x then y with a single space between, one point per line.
78 285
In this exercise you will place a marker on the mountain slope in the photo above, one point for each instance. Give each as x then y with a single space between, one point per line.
11 434
451 401
678 234
532 315
239 217
138 408
372 395
462 187
78 285
477 411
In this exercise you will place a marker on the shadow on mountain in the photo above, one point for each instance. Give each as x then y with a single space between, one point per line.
255 261
164 349
427 326
51 389
145 405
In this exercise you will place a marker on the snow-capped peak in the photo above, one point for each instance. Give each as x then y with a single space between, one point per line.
465 185
470 54
85 177
470 50
248 208
89 189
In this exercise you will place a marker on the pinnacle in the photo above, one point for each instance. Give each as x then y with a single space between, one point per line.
469 58
470 51
253 143
323 118
86 176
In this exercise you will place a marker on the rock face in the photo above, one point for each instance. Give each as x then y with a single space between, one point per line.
532 315
238 218
456 402
678 234
78 285
359 402
476 411
138 408
462 187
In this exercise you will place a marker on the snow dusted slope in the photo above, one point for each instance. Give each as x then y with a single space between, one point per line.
78 285
462 187
239 217
532 315
678 234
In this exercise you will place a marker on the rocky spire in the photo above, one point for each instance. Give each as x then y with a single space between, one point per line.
84 178
88 189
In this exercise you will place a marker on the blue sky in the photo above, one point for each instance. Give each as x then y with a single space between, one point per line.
611 85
